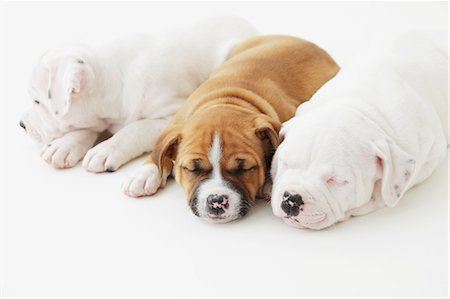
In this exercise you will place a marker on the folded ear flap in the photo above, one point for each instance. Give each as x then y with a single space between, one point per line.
266 129
166 149
396 168
69 79
78 81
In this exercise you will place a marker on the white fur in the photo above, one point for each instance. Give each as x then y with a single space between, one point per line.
131 87
367 136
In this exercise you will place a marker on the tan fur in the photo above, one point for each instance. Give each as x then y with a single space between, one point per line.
244 101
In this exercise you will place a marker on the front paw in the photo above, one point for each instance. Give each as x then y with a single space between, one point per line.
63 153
144 182
106 156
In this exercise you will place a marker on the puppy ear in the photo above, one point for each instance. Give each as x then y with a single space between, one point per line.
166 149
69 79
266 129
396 168
79 81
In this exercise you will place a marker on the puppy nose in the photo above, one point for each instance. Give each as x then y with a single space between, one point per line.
217 204
22 125
291 203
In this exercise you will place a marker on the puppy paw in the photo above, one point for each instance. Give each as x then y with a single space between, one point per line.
105 157
144 182
63 153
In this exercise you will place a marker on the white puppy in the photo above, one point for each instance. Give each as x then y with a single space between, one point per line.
131 87
371 133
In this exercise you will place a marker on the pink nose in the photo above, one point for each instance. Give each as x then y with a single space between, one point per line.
217 204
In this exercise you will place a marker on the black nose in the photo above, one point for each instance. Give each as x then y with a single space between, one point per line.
217 204
291 203
22 125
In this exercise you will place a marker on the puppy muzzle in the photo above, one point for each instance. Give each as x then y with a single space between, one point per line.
301 211
218 205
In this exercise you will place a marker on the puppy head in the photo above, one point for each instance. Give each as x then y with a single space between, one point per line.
221 157
58 82
321 175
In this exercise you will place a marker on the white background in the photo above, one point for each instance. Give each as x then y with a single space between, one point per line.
73 233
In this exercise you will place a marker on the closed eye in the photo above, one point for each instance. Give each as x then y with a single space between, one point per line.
195 171
37 102
241 171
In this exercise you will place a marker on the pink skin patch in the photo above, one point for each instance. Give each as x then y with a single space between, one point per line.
220 205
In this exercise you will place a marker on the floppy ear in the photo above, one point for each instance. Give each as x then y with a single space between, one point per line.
69 79
166 149
79 81
396 168
266 129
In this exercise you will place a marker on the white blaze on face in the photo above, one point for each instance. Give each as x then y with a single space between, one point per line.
216 185
214 156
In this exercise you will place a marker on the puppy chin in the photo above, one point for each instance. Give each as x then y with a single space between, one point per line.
224 218
220 220
312 215
41 136
36 137
301 223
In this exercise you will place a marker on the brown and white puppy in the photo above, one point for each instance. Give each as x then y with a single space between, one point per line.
220 144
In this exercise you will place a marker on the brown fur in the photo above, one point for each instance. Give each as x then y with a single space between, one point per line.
244 101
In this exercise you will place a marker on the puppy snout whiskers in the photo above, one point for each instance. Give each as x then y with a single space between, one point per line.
217 204
22 124
291 203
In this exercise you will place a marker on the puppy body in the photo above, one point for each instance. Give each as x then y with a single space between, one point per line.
221 141
130 87
370 134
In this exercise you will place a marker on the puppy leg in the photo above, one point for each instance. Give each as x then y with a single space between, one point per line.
131 141
65 152
146 180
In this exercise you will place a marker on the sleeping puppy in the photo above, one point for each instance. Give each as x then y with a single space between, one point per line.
219 145
371 133
131 87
